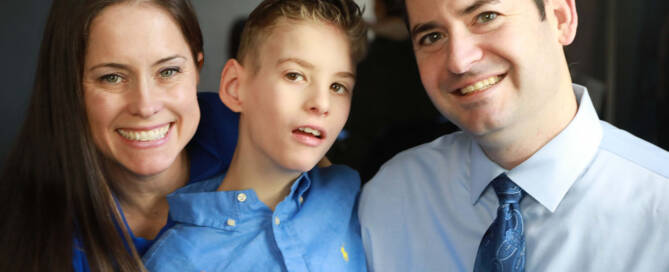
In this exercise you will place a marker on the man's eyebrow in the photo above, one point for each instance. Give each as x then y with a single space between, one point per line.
475 6
299 62
420 28
423 27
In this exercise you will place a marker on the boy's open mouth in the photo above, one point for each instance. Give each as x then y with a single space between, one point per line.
309 131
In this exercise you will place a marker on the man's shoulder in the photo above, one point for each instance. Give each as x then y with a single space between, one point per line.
634 150
431 154
420 163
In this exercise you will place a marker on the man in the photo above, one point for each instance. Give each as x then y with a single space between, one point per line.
534 181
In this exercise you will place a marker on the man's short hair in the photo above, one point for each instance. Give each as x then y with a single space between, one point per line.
344 14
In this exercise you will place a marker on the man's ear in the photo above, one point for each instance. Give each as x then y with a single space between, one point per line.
567 19
229 89
200 63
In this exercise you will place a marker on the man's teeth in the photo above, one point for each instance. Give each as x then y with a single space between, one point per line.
145 135
483 84
312 131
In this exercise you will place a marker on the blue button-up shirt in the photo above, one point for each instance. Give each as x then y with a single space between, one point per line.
597 200
315 228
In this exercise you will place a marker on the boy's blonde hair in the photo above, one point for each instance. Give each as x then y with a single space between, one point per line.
344 14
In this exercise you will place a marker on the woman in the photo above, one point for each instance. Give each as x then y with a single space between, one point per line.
113 107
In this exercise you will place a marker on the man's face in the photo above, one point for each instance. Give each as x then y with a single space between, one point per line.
487 65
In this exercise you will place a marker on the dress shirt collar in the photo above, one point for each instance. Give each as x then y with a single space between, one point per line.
201 204
548 174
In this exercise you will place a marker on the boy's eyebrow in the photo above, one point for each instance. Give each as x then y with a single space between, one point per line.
300 62
346 74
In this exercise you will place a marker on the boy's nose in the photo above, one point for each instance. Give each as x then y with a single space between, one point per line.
318 102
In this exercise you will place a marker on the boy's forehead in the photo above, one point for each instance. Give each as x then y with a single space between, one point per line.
291 39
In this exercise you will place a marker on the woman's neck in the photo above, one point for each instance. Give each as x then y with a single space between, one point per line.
270 181
143 198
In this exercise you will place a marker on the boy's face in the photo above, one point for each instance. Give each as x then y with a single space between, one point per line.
298 101
487 65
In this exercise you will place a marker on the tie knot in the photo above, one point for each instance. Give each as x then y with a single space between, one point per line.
507 191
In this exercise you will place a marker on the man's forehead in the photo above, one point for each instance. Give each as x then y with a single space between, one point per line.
426 9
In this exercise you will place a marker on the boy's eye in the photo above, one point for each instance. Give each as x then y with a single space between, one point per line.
169 72
111 78
338 88
430 38
486 17
292 76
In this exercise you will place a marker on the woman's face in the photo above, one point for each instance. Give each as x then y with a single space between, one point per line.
140 85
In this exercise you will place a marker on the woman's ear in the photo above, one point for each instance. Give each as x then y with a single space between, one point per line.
229 89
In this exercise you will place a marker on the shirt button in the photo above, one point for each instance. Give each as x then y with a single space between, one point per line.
231 222
301 200
276 220
241 197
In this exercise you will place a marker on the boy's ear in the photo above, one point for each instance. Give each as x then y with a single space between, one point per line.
229 89
567 19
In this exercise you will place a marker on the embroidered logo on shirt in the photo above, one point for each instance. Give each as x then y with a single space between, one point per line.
344 254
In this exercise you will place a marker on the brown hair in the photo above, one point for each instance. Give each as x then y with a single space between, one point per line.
53 189
345 14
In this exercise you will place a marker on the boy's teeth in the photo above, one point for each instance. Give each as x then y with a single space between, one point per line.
483 84
146 135
312 131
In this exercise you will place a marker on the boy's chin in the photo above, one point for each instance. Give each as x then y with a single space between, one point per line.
301 165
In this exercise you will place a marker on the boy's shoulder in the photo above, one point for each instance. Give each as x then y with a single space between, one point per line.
170 253
335 177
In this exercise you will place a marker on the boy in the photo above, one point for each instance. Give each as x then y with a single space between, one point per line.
291 84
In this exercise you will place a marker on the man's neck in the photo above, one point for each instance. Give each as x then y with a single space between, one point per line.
515 144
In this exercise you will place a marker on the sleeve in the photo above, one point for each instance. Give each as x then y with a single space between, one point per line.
169 253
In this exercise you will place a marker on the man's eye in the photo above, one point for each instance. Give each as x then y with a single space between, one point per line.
486 17
338 88
430 38
111 78
292 76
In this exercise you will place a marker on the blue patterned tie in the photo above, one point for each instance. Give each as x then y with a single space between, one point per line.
503 245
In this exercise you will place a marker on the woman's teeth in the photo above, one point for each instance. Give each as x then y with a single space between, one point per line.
312 131
145 135
481 85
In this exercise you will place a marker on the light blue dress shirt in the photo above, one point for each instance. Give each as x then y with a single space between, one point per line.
315 228
597 200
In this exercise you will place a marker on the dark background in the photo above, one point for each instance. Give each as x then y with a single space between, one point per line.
617 52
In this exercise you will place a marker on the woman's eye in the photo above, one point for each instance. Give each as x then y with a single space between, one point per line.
294 76
111 78
338 88
430 38
169 72
486 17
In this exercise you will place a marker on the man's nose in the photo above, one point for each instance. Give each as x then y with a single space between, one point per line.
463 52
